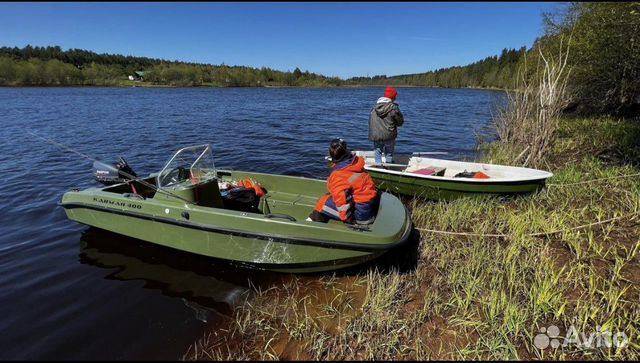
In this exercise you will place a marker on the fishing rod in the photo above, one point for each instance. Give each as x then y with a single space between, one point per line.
328 158
415 154
131 177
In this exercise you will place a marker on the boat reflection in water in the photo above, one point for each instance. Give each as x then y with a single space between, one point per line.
205 285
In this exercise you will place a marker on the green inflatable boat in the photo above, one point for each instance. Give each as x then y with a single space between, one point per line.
191 206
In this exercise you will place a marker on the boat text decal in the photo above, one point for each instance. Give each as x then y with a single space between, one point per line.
117 203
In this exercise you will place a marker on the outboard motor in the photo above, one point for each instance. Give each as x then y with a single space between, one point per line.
113 174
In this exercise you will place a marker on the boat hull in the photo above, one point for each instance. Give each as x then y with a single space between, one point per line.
414 186
247 238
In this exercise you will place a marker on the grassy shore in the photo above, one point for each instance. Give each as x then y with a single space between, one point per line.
473 297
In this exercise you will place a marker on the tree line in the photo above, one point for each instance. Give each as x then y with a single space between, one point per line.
53 66
492 72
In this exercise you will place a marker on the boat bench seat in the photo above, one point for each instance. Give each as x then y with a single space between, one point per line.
296 205
292 199
429 170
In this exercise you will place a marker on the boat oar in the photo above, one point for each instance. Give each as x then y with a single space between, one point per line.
391 164
430 153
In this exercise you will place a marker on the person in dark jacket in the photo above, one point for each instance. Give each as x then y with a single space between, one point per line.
384 120
352 195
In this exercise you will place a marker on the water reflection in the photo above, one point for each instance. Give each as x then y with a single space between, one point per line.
402 259
204 284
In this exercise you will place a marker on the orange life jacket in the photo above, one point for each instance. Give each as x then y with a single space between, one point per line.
349 184
250 184
480 175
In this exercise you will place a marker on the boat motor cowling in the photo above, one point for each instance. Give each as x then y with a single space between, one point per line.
113 174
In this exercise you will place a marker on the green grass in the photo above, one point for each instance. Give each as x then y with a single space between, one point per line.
476 297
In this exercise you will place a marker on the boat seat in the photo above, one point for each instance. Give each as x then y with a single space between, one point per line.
295 205
429 170
205 193
208 194
291 199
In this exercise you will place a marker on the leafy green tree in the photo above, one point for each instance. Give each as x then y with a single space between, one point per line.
605 53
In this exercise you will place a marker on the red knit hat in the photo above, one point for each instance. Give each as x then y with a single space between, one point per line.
390 92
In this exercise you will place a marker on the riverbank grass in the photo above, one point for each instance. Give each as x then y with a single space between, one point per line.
498 292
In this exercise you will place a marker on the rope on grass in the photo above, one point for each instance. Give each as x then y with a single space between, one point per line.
592 180
537 234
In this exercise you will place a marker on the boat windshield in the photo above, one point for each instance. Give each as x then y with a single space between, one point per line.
194 163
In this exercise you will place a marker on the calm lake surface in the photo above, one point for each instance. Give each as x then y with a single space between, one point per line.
72 292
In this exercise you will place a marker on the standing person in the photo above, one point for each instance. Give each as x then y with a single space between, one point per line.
352 195
384 120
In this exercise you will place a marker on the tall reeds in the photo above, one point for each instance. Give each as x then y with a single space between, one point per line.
529 119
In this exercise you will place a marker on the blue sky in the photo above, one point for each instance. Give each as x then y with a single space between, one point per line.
343 39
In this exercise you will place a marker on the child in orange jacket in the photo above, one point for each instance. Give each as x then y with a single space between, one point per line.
352 195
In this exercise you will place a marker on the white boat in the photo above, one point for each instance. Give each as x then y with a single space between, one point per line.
418 174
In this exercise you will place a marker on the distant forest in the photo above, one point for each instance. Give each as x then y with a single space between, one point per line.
52 66
604 60
492 72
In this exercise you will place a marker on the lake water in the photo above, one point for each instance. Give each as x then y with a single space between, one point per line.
72 292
